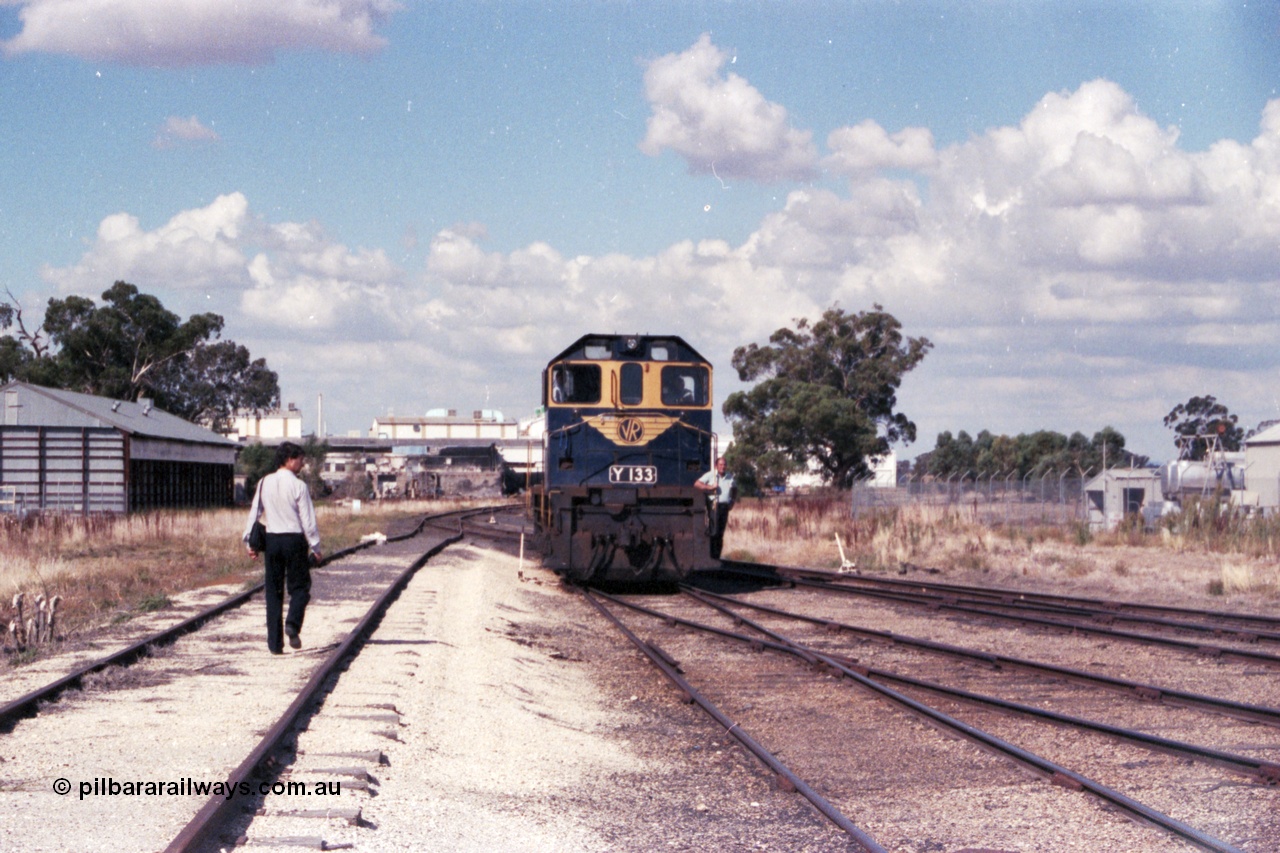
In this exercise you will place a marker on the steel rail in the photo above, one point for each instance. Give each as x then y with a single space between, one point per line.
1265 771
1056 773
210 816
1083 627
1146 692
29 704
664 663
1005 593
1099 612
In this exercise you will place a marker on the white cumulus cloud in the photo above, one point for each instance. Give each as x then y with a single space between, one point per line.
303 280
1075 268
195 249
720 124
867 146
178 33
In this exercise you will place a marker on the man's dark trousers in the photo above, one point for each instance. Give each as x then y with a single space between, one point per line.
720 521
288 564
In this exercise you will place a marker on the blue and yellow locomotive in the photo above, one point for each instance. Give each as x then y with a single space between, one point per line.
628 433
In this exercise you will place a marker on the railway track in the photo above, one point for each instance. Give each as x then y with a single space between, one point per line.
1227 621
492 773
1161 750
196 711
15 710
907 726
1231 634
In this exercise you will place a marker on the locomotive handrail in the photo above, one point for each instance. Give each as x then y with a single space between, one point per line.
568 428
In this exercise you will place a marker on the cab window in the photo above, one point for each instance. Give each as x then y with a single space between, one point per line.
632 384
684 386
575 383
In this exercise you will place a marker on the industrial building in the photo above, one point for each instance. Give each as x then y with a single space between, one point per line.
438 454
61 451
406 468
276 424
446 424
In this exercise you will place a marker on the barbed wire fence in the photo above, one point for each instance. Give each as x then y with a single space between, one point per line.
1051 498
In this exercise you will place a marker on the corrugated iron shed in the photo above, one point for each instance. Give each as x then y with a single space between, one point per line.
63 451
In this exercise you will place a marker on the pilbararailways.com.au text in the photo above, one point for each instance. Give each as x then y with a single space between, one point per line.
188 787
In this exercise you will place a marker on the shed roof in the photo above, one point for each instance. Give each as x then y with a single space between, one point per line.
1270 435
140 419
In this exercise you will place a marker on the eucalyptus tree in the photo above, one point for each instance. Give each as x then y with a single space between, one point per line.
825 394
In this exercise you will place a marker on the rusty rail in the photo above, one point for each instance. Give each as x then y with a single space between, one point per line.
29 704
1088 627
1054 772
1265 771
664 663
1147 692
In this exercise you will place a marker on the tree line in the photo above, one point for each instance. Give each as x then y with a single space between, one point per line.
1026 455
130 346
825 401
824 398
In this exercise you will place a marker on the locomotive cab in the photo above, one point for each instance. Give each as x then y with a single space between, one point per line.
628 434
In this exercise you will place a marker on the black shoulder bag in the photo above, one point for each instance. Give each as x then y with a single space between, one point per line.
258 533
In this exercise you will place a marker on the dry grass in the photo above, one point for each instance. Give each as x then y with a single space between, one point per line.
108 567
1206 555
1246 577
803 530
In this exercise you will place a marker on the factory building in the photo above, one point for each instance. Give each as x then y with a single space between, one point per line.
274 425
61 451
446 424
416 469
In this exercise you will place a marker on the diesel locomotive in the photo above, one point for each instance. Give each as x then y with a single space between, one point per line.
628 433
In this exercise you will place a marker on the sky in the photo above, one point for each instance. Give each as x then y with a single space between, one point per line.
406 206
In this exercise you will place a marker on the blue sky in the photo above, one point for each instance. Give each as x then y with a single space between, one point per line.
407 206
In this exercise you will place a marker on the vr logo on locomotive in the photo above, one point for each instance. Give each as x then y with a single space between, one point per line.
630 430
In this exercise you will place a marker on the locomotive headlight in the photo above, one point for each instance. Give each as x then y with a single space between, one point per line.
595 498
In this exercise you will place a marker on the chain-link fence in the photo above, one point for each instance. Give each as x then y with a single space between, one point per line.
1048 499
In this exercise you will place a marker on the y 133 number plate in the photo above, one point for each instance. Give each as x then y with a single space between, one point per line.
633 475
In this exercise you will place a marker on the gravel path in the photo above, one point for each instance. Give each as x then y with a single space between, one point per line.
493 710
519 726
187 715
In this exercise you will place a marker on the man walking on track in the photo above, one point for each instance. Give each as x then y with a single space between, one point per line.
293 544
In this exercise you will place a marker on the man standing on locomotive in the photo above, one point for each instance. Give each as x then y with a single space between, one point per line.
292 546
725 491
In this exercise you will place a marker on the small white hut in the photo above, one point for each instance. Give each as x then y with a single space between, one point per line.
1118 492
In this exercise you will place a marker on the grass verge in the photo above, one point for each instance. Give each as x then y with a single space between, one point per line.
1196 558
